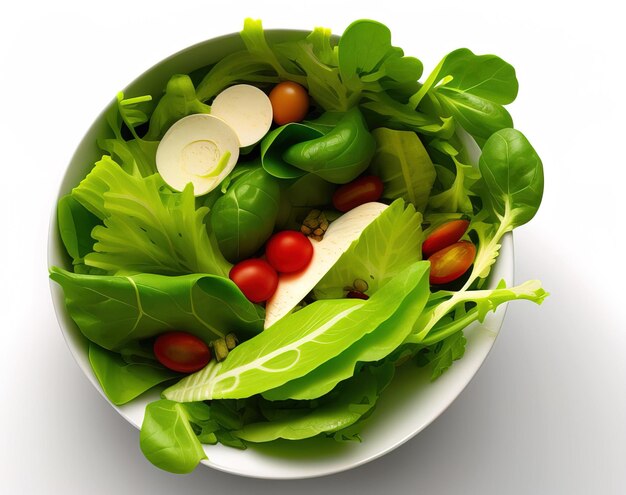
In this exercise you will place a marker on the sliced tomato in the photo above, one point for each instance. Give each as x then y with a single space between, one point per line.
451 262
443 236
181 351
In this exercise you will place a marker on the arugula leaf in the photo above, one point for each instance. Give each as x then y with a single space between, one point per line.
113 311
167 438
385 248
403 164
441 355
296 344
122 381
147 228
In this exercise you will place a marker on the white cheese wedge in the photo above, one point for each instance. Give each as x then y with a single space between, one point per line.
201 149
247 110
292 288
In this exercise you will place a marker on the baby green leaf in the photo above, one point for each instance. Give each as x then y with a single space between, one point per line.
167 438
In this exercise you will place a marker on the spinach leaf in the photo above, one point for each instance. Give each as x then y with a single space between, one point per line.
403 164
75 226
244 218
299 196
339 156
122 381
513 173
472 89
147 228
277 141
113 311
296 344
374 346
167 438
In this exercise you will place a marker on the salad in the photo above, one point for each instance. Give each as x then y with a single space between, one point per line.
269 239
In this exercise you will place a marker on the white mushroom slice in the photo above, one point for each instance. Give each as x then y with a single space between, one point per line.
341 233
247 110
201 149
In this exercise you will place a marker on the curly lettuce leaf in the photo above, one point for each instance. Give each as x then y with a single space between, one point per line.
147 228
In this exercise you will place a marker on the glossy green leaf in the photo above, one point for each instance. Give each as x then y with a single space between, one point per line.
277 141
167 438
113 311
243 219
339 156
122 381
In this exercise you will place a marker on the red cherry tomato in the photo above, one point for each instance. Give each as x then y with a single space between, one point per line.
358 192
444 236
255 278
289 251
355 294
181 351
290 102
451 262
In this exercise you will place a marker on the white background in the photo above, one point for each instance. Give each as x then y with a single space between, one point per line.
545 414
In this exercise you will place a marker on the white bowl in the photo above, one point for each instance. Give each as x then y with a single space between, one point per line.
410 403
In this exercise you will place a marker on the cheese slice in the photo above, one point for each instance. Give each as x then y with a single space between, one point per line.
341 233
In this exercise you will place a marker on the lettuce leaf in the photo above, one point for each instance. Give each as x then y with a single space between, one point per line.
147 228
387 246
113 311
298 343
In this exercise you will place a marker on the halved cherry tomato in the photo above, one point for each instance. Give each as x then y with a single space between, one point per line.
290 102
289 251
451 262
181 351
255 278
358 192
444 236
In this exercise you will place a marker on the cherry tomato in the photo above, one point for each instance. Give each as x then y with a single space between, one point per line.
358 192
451 262
289 251
290 102
255 278
181 351
444 236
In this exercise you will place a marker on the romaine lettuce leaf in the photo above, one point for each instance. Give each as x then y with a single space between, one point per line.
387 246
297 343
374 346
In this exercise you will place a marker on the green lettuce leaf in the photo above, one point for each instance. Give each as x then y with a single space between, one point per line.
387 246
296 344
122 381
374 346
147 228
113 311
